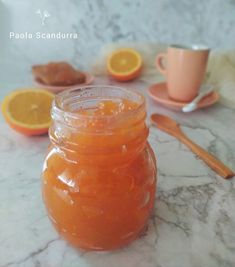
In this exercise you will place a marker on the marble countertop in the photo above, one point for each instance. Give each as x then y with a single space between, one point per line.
193 223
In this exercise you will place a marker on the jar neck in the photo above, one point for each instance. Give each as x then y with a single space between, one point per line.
78 133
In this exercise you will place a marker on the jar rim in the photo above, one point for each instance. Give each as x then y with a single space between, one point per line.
83 93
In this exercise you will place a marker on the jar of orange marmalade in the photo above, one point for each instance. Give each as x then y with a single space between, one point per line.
99 177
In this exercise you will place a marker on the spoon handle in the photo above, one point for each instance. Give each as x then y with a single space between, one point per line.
210 160
201 95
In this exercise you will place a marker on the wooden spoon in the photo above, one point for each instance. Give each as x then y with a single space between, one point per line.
170 126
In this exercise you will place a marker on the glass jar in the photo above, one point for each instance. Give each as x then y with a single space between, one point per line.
99 176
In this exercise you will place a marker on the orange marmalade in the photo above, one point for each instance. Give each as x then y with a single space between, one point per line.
99 177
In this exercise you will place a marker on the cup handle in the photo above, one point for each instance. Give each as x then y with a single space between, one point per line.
159 63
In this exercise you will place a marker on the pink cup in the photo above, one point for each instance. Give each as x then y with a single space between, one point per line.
184 70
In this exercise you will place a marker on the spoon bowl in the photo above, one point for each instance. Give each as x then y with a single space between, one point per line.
166 124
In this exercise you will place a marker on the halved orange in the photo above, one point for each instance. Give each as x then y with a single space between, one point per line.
125 64
28 110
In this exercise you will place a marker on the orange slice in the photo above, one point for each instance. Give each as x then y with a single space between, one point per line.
28 110
125 64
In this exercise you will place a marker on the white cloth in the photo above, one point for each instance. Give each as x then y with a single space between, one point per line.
220 69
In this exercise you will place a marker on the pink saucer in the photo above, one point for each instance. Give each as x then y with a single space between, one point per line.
56 89
158 92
